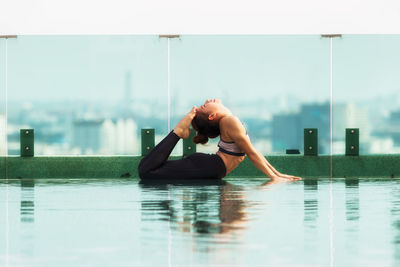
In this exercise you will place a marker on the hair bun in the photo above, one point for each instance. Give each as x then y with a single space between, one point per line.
208 129
200 138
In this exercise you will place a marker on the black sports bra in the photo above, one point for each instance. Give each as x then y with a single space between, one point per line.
230 148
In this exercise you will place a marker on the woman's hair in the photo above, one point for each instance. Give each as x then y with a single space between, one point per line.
204 127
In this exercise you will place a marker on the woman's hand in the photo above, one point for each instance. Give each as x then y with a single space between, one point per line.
277 180
287 176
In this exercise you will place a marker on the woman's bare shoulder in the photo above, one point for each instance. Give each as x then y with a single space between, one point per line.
230 119
231 122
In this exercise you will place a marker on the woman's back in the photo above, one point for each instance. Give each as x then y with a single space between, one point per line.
231 160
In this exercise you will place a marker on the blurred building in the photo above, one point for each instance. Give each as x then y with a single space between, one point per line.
286 132
394 127
87 135
2 134
288 129
105 136
120 137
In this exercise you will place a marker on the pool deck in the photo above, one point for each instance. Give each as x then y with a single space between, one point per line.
363 166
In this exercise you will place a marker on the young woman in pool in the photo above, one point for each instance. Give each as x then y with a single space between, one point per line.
209 120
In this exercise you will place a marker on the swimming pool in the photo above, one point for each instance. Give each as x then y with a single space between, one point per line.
119 222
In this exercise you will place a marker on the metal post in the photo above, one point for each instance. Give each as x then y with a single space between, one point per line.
188 146
310 142
352 141
27 142
331 36
169 81
147 140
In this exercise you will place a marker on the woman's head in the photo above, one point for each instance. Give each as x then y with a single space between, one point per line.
206 121
205 128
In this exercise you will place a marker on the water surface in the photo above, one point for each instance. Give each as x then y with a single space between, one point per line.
240 222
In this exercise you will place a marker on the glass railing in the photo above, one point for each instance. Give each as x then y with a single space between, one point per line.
3 96
86 95
276 85
367 92
91 95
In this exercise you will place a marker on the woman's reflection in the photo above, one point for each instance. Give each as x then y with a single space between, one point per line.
214 207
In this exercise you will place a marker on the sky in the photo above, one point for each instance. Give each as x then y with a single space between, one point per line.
235 68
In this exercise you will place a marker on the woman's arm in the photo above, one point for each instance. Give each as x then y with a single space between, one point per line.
277 172
238 134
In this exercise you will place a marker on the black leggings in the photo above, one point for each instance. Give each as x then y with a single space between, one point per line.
196 166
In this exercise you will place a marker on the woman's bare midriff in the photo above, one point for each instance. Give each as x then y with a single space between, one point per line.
231 162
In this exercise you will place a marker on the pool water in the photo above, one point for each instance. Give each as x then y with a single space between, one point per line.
120 222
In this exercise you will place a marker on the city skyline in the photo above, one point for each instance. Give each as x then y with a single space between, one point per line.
260 78
55 128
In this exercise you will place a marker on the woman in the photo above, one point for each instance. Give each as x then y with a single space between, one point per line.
209 120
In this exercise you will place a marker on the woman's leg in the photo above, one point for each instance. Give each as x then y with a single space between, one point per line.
160 153
195 166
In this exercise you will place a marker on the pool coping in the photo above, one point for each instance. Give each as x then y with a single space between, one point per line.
363 166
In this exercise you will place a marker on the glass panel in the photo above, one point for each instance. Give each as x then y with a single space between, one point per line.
2 98
87 94
277 85
366 92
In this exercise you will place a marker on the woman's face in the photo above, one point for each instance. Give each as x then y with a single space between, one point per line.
211 106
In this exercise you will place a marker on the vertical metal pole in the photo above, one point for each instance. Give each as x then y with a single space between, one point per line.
7 224
331 110
169 129
169 93
331 221
169 36
331 166
6 37
331 36
331 214
6 102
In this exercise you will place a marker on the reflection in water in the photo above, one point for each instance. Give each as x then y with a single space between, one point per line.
27 208
310 213
211 212
352 199
199 206
27 215
395 212
352 215
211 223
310 202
